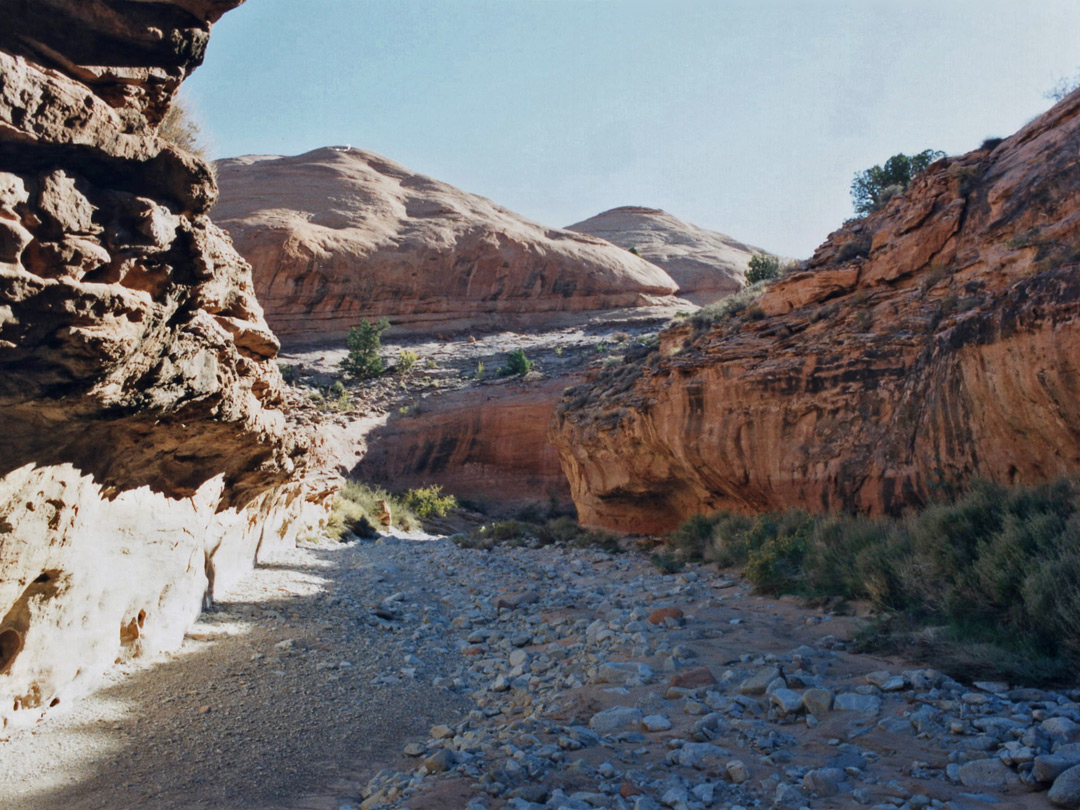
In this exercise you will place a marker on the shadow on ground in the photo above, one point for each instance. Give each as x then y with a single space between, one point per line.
256 711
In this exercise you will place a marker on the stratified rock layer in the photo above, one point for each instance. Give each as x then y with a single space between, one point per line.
145 458
705 264
934 341
339 235
487 443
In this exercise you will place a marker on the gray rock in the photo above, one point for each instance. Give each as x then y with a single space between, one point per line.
656 722
439 762
1049 767
737 771
824 782
788 798
757 684
817 701
623 672
863 704
1061 730
986 774
786 701
702 756
616 718
1066 789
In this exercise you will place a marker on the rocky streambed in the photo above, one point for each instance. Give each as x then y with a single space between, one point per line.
411 672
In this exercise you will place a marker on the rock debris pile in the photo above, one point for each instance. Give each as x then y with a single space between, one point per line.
600 682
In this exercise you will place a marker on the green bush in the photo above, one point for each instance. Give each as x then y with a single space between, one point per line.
428 502
356 500
763 267
517 364
997 568
364 342
873 187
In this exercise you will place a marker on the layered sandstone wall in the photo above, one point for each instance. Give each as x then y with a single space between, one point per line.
146 460
487 443
935 341
339 235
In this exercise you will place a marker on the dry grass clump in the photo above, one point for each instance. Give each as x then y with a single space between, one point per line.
557 531
358 509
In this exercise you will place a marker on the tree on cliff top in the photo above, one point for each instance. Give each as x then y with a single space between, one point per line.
875 186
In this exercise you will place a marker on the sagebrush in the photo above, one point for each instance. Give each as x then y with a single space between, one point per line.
995 566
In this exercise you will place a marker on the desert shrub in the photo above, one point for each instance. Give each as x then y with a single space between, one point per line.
727 308
763 267
364 342
428 502
407 360
356 500
556 531
517 364
996 570
179 128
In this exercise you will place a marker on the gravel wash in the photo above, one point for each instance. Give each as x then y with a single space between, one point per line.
411 673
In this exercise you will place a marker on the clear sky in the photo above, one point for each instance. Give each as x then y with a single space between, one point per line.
749 118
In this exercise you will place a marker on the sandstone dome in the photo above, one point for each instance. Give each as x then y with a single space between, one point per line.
705 264
338 234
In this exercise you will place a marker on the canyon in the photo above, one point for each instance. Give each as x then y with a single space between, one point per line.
931 343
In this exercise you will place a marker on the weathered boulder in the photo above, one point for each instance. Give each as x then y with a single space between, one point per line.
705 264
932 342
146 459
338 235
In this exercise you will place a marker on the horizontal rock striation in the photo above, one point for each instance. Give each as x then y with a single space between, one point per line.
934 341
487 443
705 264
338 235
146 459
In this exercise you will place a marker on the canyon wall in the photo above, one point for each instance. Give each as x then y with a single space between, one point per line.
487 443
146 459
339 235
934 341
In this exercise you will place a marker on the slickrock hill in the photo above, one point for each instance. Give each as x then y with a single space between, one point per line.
705 264
145 458
934 341
338 235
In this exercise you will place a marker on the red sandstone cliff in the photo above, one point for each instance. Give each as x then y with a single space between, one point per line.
145 457
338 235
934 341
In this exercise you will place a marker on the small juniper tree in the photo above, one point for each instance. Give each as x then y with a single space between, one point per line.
874 187
364 342
763 267
517 364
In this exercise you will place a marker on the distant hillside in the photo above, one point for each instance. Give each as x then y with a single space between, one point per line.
705 264
338 235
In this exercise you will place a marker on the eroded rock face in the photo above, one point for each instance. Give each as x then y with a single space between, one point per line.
935 341
705 264
145 458
488 443
338 235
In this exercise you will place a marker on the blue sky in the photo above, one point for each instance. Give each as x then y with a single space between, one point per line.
749 118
